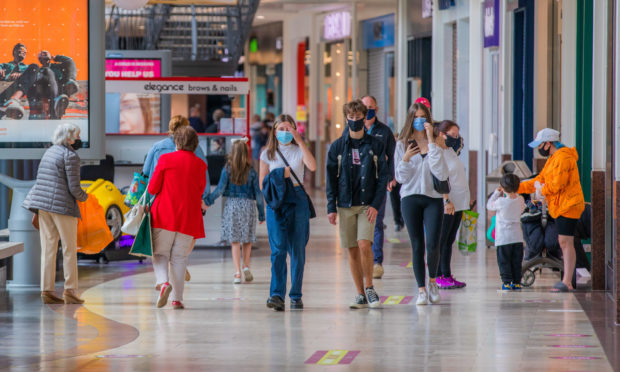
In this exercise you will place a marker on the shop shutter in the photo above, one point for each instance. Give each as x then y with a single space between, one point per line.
376 80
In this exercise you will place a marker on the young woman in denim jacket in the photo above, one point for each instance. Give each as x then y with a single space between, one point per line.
239 184
286 139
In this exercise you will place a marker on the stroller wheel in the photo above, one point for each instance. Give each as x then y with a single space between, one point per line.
528 278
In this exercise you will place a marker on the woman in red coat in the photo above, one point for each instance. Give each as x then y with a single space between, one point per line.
176 214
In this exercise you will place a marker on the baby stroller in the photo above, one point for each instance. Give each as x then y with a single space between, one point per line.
541 240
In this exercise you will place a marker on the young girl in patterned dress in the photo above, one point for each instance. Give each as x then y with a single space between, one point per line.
239 184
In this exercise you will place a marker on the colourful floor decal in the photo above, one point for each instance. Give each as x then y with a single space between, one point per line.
226 299
396 300
332 357
572 346
408 265
567 335
575 357
393 240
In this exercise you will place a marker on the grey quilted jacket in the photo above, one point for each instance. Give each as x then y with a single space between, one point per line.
58 183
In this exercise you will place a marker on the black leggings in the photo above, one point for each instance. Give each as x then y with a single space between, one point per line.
449 228
395 201
423 213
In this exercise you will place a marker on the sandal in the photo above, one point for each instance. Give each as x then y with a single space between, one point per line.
237 279
248 274
560 287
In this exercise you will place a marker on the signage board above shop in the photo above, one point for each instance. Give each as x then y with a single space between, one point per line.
337 26
378 32
176 85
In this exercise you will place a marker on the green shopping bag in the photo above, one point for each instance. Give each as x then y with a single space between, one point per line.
143 242
468 239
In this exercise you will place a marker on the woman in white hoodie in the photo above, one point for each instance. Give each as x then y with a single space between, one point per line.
416 161
448 138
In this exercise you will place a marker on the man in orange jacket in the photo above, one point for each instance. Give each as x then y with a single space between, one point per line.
558 183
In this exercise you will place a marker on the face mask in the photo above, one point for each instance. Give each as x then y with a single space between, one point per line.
356 125
418 124
543 152
371 114
284 137
455 144
77 144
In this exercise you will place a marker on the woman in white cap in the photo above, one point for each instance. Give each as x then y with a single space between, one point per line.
558 183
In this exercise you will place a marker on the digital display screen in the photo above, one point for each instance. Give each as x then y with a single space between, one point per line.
131 113
44 70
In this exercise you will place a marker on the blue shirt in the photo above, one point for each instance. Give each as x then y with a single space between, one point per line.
166 146
249 190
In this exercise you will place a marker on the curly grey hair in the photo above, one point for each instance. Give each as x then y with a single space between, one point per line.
64 133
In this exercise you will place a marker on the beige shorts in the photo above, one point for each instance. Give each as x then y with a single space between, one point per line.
354 226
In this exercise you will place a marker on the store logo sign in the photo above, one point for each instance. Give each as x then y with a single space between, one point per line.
491 23
337 26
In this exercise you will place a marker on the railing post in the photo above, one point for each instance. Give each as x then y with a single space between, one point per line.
194 34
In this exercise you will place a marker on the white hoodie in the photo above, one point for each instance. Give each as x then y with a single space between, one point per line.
459 185
415 175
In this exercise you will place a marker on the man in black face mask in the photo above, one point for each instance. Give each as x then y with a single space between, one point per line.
384 134
357 178
558 183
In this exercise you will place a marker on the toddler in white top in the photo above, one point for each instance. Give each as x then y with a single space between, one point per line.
508 206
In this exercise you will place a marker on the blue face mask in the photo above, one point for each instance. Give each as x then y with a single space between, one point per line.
284 137
371 114
418 124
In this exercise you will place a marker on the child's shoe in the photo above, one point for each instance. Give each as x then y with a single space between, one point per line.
506 287
516 287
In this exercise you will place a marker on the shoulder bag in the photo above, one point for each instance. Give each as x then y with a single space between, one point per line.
310 205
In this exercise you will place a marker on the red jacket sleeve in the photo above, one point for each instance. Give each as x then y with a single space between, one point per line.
157 178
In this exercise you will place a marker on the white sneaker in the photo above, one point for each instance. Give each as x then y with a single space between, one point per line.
237 278
433 293
422 298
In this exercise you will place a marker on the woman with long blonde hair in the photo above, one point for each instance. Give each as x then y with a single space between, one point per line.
239 184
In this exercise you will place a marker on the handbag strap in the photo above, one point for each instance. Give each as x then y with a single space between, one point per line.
292 172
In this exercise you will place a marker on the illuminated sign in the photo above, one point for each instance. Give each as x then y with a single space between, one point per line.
337 26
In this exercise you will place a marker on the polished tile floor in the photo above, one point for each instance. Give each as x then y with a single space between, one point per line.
228 328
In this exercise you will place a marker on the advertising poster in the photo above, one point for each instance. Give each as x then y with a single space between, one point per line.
133 113
43 70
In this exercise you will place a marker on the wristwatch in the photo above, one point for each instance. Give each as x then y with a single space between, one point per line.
446 201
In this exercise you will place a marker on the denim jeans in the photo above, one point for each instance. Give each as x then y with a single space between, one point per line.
377 245
292 242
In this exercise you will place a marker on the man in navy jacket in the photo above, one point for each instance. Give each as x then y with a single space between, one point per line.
384 134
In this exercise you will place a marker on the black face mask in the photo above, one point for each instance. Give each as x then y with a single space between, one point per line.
455 144
543 152
77 144
356 125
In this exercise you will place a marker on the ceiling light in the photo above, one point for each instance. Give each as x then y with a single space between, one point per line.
260 17
337 73
337 126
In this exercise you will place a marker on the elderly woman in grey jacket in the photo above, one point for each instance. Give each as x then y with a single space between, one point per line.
54 198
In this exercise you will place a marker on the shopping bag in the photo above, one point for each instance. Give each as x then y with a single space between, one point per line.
93 231
136 189
134 217
491 231
143 242
468 239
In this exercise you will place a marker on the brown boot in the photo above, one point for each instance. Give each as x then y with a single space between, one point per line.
49 297
71 298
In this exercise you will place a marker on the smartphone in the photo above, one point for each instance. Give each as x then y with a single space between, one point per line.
412 142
